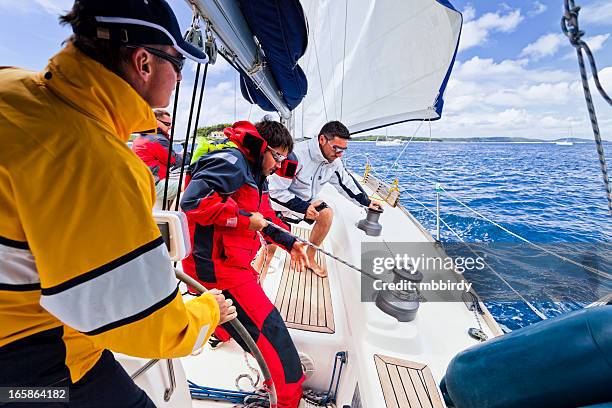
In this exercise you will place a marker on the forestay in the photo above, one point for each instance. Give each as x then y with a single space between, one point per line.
371 63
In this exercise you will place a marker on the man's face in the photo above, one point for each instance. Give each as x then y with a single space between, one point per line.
332 149
162 78
165 123
272 159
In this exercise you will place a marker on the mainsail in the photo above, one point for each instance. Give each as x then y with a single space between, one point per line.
372 63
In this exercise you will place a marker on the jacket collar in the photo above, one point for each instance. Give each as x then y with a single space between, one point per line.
315 151
94 90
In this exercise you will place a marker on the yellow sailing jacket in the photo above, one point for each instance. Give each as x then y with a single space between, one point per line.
82 263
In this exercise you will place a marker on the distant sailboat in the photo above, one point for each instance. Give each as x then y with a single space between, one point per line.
387 142
566 142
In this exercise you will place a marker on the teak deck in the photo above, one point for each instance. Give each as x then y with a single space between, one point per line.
304 298
406 384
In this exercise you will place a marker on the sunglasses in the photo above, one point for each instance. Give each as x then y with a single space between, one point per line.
164 122
337 149
279 158
177 62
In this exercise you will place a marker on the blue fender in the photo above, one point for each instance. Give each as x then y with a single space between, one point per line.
560 362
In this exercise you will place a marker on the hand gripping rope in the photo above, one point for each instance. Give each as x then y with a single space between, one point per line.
318 248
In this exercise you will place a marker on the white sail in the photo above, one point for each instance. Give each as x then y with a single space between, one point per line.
371 63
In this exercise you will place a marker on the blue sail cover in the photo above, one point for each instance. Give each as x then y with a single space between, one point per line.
281 29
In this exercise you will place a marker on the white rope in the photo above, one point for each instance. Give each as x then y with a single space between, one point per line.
532 307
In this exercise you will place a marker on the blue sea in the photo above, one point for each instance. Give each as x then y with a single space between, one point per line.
548 194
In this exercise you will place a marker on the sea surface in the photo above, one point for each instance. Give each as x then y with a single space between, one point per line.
550 195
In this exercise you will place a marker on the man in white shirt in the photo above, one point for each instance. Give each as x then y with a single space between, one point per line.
296 198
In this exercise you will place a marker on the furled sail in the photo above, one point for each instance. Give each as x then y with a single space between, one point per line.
372 63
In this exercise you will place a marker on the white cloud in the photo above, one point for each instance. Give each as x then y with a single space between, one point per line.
545 46
476 31
54 7
469 13
600 12
538 8
506 72
511 98
595 43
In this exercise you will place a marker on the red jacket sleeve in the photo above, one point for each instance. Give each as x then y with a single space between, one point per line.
207 200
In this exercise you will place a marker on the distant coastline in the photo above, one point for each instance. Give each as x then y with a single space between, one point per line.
495 139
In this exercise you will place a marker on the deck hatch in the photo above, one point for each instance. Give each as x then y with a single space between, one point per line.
406 384
304 299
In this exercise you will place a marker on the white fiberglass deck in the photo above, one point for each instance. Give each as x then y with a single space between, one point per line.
437 334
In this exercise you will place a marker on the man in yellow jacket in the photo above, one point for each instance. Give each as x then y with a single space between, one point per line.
83 269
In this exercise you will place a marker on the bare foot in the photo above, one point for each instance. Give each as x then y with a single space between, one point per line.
317 269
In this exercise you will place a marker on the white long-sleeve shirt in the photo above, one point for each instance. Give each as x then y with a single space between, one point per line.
313 171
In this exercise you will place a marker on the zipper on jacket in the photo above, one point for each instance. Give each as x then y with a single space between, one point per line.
314 176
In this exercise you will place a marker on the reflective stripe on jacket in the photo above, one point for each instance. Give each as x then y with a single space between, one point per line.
79 249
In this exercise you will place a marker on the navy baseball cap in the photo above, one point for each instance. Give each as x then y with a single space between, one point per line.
135 22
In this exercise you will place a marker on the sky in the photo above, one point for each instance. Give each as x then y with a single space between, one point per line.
515 72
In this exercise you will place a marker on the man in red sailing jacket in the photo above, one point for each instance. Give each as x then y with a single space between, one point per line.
227 203
153 150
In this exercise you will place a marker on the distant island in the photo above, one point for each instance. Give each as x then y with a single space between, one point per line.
495 139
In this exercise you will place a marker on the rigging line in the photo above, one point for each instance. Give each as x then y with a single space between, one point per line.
318 248
541 248
193 98
174 111
532 307
574 34
235 96
302 121
343 58
320 79
193 137
332 59
250 111
403 150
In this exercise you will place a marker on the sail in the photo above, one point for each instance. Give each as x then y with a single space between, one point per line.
372 63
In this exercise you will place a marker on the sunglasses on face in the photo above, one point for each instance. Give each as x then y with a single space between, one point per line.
337 149
177 62
164 122
279 158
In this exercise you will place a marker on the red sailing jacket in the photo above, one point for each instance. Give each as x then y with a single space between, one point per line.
153 151
223 187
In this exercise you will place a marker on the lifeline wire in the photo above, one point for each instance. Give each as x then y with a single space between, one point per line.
532 307
586 267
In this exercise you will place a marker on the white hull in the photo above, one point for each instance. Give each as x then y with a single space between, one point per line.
389 143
